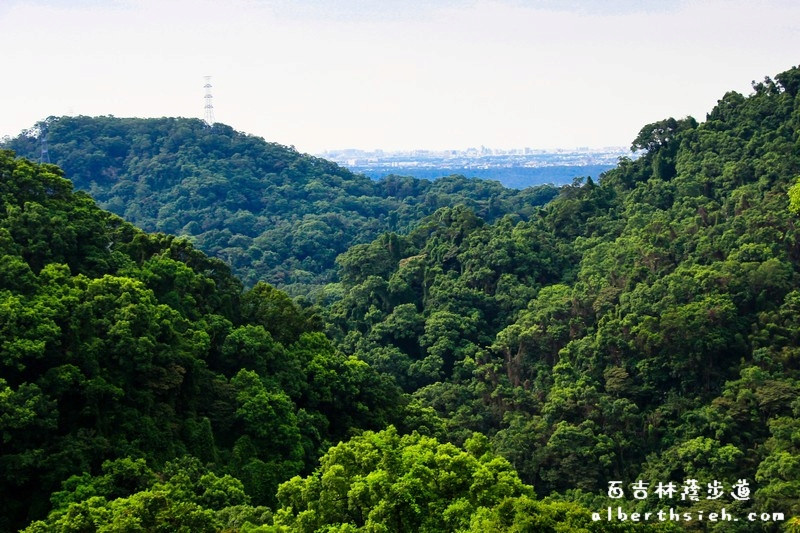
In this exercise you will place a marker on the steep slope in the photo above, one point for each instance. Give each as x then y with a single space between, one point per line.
142 390
120 349
641 328
271 213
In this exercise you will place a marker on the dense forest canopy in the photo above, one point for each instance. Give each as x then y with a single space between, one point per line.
121 349
476 372
641 328
142 389
269 212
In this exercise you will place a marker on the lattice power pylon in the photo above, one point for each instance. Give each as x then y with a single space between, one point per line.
209 115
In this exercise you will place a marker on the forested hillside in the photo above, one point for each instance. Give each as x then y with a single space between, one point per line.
470 374
270 213
126 347
141 389
641 328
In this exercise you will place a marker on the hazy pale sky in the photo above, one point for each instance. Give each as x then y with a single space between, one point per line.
393 74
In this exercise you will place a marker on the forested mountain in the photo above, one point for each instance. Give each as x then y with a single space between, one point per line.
269 212
470 374
126 347
141 389
641 328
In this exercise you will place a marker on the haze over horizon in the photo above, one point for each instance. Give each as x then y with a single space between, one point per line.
438 74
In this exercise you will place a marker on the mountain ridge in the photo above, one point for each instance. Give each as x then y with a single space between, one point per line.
272 213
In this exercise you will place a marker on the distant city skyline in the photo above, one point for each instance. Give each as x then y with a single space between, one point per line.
517 168
476 157
433 74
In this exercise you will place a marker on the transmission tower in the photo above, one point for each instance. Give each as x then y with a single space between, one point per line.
209 118
45 155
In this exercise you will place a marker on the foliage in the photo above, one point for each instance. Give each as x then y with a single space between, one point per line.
185 497
641 327
118 344
387 482
269 212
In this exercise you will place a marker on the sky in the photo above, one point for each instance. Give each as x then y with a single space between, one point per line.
393 75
